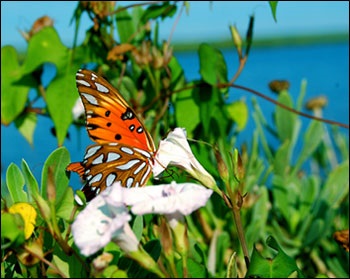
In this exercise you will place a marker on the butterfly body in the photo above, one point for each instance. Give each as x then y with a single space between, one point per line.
124 149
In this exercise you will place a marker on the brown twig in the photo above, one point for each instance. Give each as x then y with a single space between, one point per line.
286 107
55 268
133 5
223 85
175 23
159 115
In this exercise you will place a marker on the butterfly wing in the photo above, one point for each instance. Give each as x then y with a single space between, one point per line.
124 149
109 118
105 164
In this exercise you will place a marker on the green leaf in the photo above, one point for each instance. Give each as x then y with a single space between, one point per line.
285 120
238 112
196 251
15 183
32 184
282 159
62 93
154 11
63 267
185 103
177 74
206 98
137 226
273 6
12 230
57 161
249 35
212 65
26 124
213 113
218 245
314 232
46 47
77 17
153 248
66 206
336 187
112 271
259 216
260 123
312 138
128 88
14 87
308 192
194 269
286 194
125 25
281 266
232 268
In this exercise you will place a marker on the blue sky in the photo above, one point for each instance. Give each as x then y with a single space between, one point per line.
205 21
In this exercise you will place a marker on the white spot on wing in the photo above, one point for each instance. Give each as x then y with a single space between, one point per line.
127 150
113 144
98 160
96 178
83 82
110 179
112 156
129 182
143 152
144 177
91 99
91 151
140 168
101 88
128 165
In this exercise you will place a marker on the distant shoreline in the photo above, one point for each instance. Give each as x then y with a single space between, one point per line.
296 40
271 42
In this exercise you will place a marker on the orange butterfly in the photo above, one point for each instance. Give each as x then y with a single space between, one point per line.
124 151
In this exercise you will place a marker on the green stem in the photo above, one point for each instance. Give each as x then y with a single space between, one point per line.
239 227
146 261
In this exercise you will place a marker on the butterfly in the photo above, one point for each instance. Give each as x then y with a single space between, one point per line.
124 149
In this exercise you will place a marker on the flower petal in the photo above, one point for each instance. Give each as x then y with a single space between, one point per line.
167 199
98 223
175 150
127 240
78 109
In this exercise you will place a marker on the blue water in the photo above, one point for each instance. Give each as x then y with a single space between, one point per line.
325 68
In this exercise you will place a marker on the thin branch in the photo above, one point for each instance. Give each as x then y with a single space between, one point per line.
175 23
55 268
223 85
133 5
286 107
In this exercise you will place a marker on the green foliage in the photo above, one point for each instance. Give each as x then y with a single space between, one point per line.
295 201
273 6
281 266
14 86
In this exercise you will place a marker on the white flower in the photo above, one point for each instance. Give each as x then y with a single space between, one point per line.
175 150
101 222
106 217
78 109
166 199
